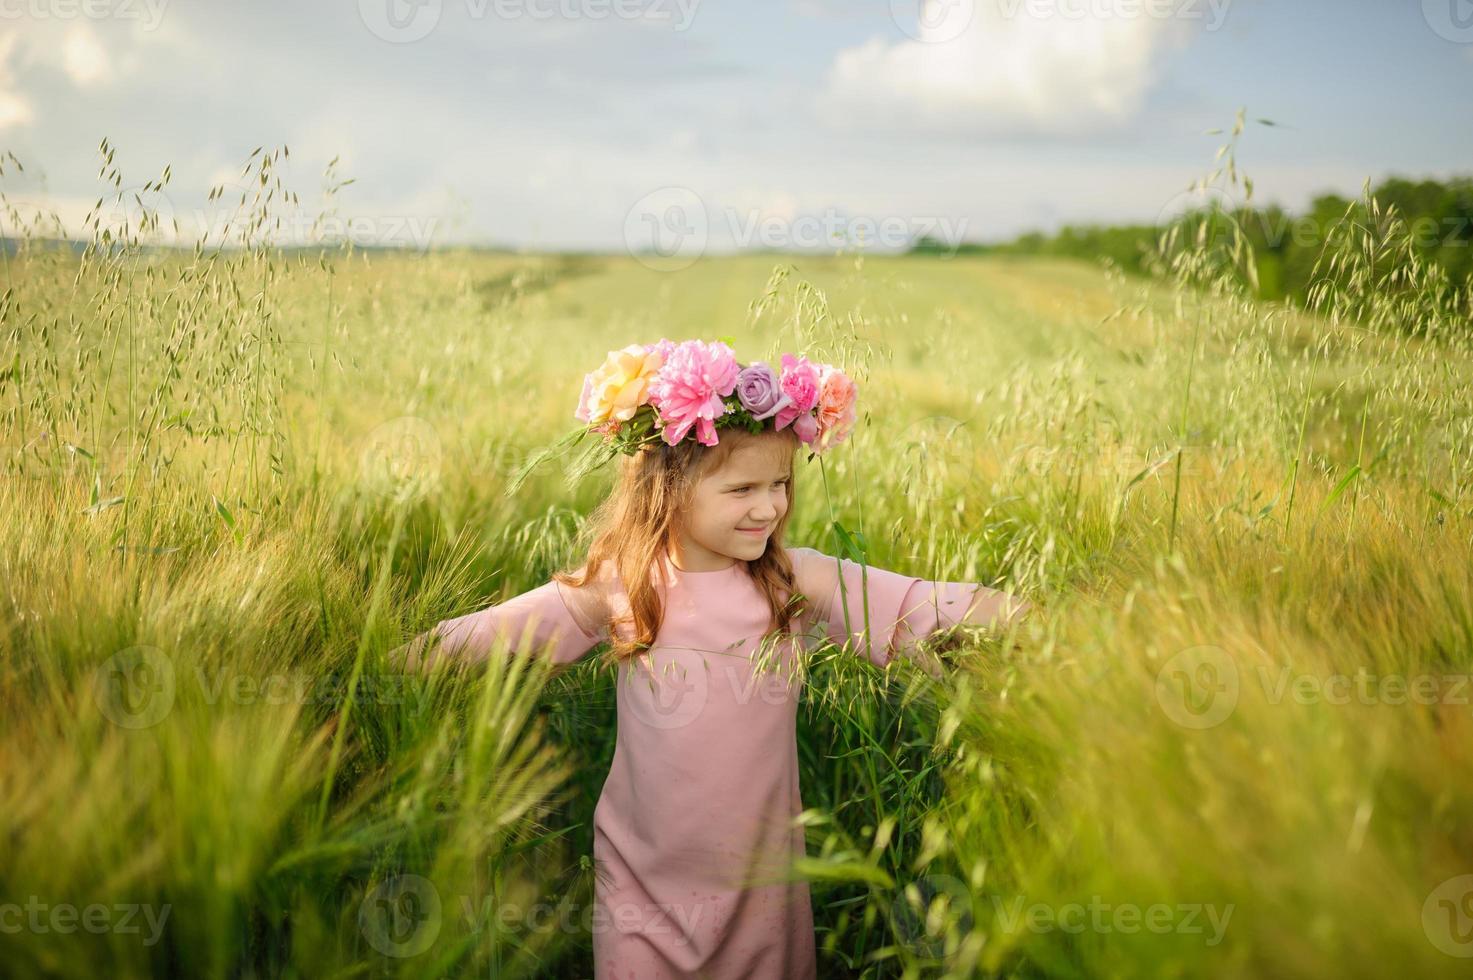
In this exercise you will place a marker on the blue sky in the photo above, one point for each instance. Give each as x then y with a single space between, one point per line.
598 123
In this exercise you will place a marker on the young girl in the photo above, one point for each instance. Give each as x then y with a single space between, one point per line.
688 579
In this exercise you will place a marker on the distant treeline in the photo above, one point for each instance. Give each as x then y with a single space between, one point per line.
1438 217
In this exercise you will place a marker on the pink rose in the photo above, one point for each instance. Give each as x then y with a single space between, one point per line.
836 397
805 427
800 382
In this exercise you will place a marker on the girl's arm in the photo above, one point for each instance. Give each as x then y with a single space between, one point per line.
902 609
554 620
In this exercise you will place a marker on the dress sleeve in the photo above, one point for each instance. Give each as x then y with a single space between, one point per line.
902 609
546 621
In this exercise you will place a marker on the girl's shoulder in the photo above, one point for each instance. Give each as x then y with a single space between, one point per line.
592 602
800 557
813 571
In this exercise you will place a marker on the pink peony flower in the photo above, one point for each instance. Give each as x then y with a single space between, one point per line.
800 382
689 388
836 398
663 347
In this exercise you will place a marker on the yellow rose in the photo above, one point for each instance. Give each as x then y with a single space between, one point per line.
619 386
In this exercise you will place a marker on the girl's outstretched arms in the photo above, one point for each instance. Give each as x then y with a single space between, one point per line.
552 620
902 609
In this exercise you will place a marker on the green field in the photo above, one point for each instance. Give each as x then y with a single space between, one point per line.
1235 741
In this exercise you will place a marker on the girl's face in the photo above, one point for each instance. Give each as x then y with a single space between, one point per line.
749 491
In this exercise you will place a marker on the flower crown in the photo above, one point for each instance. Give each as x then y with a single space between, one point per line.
647 393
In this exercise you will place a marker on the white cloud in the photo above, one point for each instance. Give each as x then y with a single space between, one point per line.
15 109
84 57
1006 66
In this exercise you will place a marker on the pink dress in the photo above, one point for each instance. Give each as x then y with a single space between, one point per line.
695 826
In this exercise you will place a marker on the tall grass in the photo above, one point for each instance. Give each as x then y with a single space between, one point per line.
236 476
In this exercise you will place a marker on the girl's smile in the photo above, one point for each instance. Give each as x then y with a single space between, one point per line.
736 509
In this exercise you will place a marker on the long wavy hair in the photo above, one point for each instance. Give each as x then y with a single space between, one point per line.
635 526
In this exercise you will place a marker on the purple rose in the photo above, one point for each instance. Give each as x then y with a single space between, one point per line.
758 390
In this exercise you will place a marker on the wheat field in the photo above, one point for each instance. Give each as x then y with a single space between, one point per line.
1236 740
